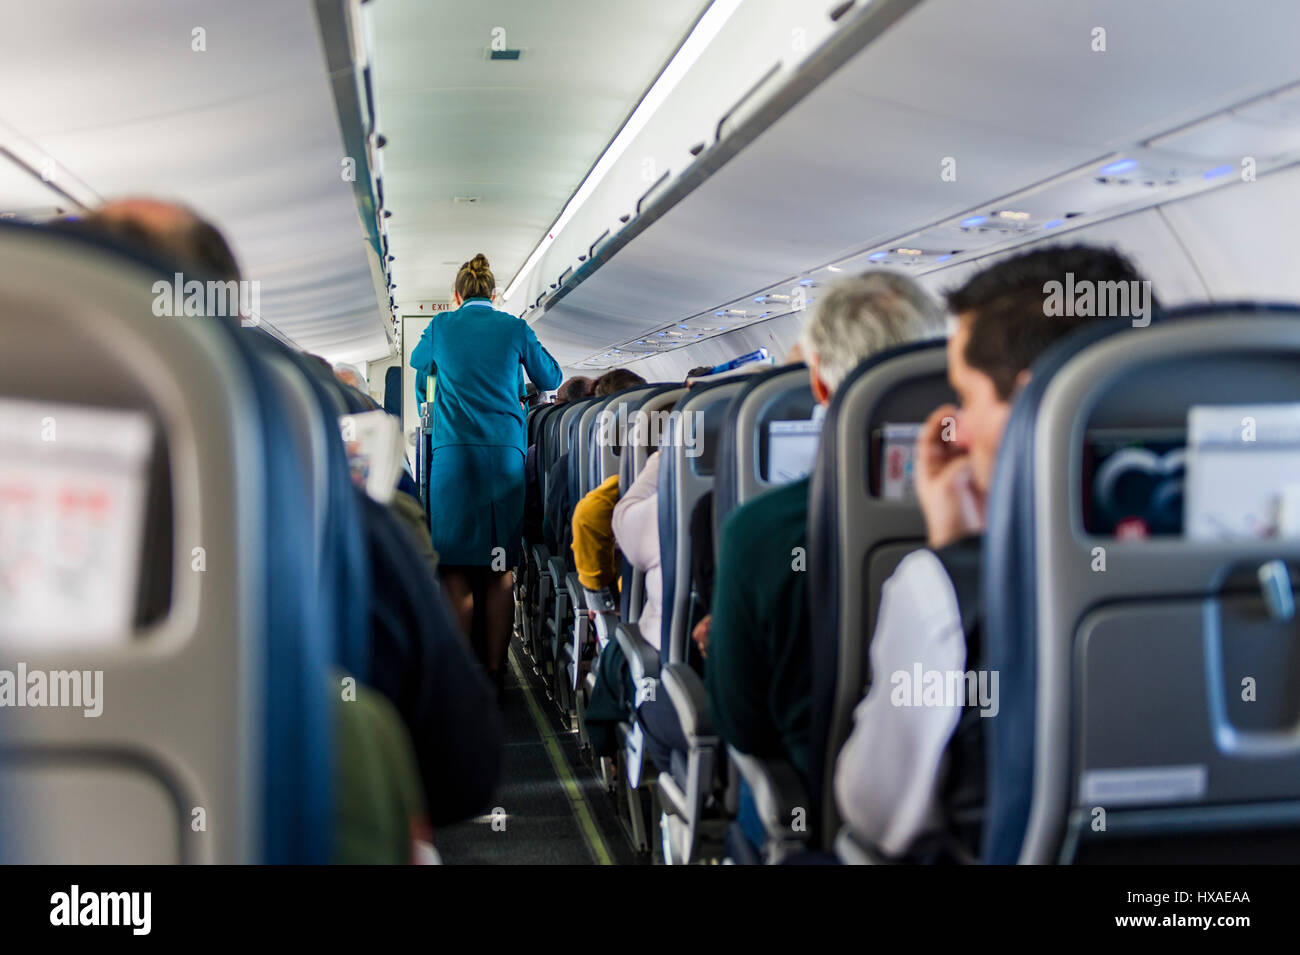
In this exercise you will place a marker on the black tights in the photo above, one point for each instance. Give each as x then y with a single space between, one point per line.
483 600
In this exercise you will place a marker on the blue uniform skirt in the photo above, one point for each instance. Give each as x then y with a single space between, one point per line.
476 504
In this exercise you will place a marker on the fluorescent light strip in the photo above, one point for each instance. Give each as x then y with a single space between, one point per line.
706 29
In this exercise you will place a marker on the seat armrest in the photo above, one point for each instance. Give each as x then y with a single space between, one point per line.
576 597
604 605
686 692
601 601
557 570
642 659
542 557
778 792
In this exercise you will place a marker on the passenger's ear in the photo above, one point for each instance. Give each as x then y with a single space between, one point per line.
821 394
1023 378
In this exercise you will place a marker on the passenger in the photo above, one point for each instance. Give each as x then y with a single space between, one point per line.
906 771
575 389
699 372
476 462
350 375
636 529
759 674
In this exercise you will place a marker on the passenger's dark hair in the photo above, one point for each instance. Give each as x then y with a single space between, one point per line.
475 279
573 389
698 372
617 380
1006 306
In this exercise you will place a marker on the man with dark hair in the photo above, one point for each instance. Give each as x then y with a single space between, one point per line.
616 381
908 773
700 372
574 389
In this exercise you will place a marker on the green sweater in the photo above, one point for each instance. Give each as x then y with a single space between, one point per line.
759 671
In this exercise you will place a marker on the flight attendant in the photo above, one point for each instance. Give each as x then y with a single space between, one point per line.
476 463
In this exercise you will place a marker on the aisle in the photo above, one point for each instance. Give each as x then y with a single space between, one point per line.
549 809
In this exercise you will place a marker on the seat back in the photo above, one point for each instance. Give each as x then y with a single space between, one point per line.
614 436
644 438
185 735
572 445
861 523
1149 704
543 437
393 391
746 465
588 438
686 471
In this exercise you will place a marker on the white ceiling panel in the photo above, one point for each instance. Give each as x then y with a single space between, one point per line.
243 130
519 136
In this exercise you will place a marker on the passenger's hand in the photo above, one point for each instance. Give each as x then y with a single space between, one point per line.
701 634
948 498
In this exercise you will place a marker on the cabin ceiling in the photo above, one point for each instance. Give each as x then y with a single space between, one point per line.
1012 89
516 136
244 130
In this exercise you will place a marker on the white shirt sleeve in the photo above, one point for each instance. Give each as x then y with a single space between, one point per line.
636 517
888 772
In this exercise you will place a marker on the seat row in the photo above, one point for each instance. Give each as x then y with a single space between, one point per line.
1130 722
281 682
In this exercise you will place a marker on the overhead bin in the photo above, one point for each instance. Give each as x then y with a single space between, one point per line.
893 139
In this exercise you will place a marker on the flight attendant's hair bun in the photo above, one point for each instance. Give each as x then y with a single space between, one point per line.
475 278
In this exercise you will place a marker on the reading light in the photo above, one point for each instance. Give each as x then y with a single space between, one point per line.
706 29
877 256
1218 171
1014 216
908 251
1118 166
973 221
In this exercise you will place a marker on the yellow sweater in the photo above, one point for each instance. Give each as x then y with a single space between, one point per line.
593 536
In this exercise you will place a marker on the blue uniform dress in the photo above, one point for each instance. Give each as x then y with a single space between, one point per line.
476 462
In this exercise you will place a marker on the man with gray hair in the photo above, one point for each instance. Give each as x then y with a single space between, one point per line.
759 672
861 316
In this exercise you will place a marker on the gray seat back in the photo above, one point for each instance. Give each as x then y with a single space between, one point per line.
686 472
859 529
780 395
642 409
180 730
1167 697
